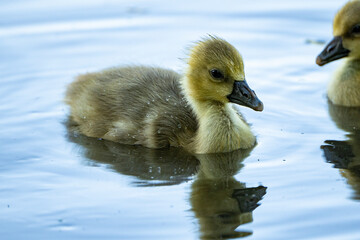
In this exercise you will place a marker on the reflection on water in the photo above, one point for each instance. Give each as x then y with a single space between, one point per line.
345 155
151 167
220 202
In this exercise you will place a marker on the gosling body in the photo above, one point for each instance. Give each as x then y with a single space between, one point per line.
159 108
116 105
344 89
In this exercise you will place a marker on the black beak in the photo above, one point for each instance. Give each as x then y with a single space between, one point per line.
243 95
333 51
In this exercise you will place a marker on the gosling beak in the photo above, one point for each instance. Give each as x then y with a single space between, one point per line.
243 95
333 51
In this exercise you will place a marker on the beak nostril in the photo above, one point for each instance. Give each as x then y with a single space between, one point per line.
330 48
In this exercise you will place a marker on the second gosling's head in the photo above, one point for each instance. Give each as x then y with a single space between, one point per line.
216 73
346 30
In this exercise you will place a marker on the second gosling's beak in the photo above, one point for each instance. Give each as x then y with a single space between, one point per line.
333 51
243 95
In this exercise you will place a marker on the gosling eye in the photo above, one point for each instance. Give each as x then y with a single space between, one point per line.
217 75
356 29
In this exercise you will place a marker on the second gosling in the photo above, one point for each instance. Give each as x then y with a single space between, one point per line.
159 108
344 89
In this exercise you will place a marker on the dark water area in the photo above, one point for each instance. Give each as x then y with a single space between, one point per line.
301 181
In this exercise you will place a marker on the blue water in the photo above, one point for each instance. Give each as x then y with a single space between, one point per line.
57 185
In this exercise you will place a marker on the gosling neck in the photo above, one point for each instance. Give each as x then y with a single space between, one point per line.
354 63
221 129
344 89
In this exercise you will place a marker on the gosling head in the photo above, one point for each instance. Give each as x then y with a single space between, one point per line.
346 31
216 73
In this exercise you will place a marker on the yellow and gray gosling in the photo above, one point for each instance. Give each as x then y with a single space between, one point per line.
344 89
159 108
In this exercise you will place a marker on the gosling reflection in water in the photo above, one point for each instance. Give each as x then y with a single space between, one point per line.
345 155
220 202
151 167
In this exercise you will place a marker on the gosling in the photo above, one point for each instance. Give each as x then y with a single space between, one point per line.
344 89
159 108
